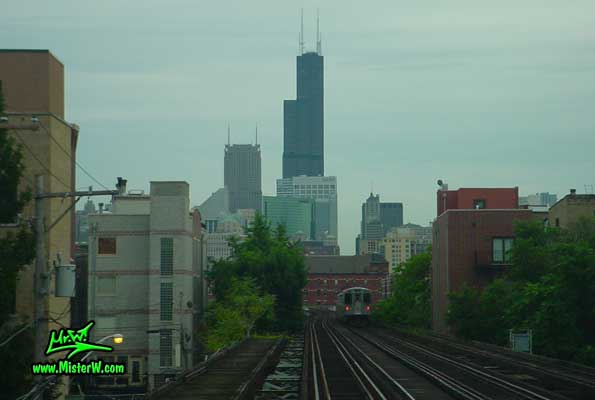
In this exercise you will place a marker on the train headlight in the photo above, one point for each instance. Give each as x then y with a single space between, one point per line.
367 308
347 308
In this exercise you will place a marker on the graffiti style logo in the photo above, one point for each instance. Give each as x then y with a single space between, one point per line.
74 341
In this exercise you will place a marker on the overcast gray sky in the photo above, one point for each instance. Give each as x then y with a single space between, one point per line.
476 93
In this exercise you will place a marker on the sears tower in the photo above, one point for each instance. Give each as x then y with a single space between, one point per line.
303 118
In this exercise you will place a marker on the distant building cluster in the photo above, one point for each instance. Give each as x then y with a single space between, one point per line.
141 260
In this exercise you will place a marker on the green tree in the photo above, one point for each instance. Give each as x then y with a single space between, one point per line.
274 263
549 288
17 249
234 318
409 303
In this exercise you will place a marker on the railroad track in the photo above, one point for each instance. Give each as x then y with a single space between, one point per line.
480 382
342 367
572 380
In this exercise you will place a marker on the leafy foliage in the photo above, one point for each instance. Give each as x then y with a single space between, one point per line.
16 250
274 264
11 172
234 318
409 303
549 288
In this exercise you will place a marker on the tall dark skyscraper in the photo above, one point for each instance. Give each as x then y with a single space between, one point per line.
242 176
303 118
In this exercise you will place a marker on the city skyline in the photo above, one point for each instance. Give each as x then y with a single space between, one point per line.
412 94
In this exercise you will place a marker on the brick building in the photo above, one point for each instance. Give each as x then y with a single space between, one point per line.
470 247
329 275
571 208
471 237
477 198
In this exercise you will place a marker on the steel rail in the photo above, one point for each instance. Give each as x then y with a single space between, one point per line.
400 387
316 346
441 378
349 360
501 383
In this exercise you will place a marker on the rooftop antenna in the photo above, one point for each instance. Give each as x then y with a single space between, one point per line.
318 39
228 135
302 33
256 133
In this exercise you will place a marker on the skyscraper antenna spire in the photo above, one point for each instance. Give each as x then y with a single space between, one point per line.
302 33
318 38
228 135
256 131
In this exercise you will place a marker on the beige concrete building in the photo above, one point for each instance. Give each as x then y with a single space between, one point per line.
33 86
571 208
401 243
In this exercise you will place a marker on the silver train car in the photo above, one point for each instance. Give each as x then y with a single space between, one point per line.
354 305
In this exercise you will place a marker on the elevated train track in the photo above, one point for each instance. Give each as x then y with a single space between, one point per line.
347 363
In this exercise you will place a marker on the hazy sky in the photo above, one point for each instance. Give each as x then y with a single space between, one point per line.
476 93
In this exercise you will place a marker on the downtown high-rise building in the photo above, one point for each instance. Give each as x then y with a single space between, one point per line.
377 220
303 119
242 176
323 190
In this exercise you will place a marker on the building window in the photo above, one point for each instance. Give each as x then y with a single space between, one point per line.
167 256
165 348
106 285
106 245
479 204
557 222
135 373
167 300
501 250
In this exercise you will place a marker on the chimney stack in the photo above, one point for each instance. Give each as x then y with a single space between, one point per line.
572 192
121 186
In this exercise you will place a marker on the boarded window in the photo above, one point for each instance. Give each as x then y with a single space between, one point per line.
167 256
106 246
166 301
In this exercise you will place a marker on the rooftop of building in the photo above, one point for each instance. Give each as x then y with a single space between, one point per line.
358 264
31 51
575 196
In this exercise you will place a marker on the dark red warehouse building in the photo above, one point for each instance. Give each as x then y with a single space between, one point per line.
329 275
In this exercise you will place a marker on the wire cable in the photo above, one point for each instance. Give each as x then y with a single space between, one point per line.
18 135
70 156
24 328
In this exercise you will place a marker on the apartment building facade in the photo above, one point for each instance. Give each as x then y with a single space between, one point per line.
146 281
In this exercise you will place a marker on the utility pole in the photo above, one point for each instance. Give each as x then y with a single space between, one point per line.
40 315
42 277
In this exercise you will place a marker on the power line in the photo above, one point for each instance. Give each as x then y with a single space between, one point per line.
24 328
70 156
18 135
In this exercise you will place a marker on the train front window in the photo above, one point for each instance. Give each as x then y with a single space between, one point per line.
347 298
367 298
357 296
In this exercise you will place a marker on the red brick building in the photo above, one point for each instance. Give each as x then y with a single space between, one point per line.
329 275
470 247
477 198
472 235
